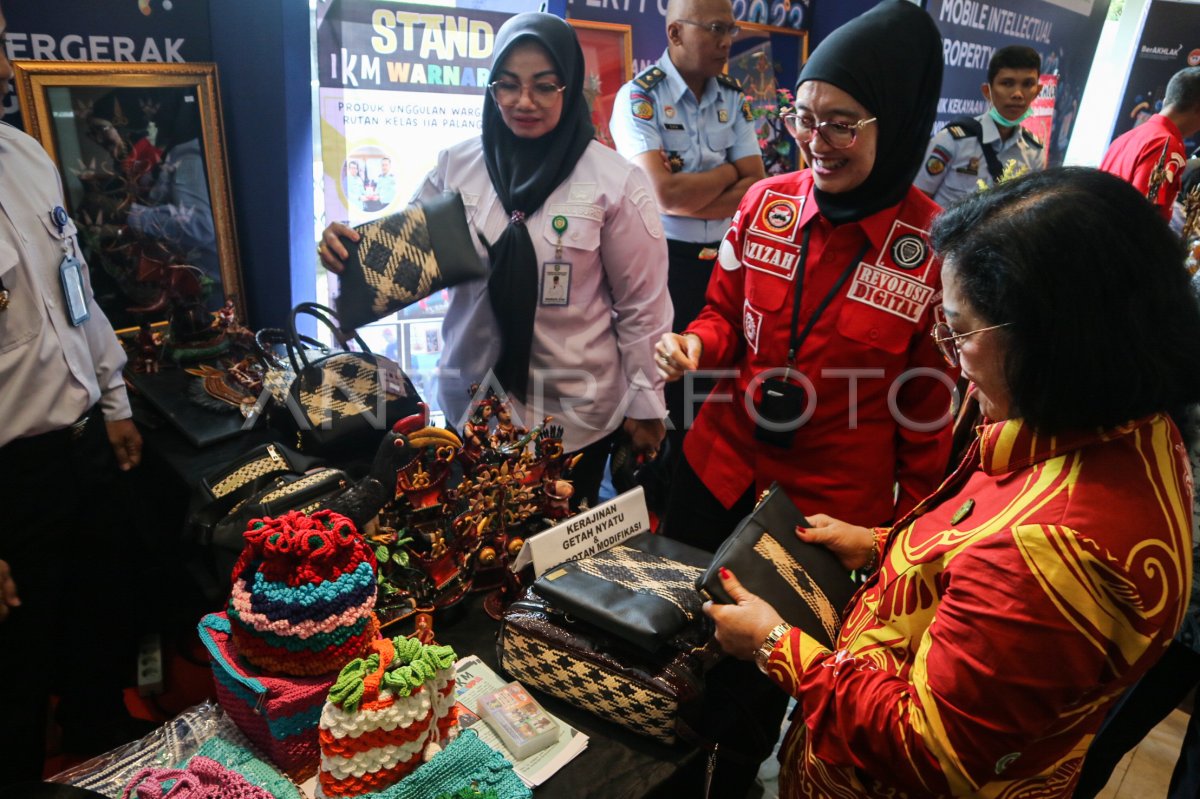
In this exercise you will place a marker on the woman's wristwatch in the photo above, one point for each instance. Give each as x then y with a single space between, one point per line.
768 645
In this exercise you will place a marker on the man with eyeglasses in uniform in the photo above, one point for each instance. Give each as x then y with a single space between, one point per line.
690 129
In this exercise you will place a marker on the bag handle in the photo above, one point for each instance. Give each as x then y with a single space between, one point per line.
265 338
325 316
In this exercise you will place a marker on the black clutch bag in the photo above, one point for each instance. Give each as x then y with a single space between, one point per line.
805 583
643 591
406 257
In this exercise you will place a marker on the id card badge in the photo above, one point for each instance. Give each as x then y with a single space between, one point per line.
556 283
70 273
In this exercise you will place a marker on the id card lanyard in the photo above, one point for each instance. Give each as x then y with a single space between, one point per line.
556 274
794 341
70 274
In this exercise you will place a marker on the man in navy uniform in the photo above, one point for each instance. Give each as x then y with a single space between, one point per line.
690 129
969 150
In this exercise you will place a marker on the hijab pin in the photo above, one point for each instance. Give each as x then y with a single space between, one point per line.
517 218
963 512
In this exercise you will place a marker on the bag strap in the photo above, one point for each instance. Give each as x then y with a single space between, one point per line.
972 126
265 339
325 316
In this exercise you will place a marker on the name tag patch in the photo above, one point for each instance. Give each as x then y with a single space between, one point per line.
896 294
766 255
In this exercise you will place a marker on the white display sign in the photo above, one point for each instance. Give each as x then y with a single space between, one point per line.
588 532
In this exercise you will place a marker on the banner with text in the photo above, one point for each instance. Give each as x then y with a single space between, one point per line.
1064 32
399 82
1170 41
162 31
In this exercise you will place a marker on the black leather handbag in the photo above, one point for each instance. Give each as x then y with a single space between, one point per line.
406 257
805 583
345 402
642 591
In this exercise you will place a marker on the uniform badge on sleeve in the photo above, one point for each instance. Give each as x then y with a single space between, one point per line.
751 324
747 112
641 107
939 157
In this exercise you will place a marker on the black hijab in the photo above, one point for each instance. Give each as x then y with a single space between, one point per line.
889 60
524 172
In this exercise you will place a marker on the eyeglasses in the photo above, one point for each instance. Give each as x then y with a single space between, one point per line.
838 135
947 340
508 92
718 29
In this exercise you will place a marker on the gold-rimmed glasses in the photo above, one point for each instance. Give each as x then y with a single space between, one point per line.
838 135
947 340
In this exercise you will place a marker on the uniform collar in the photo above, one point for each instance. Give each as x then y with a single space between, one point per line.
1167 125
678 87
991 131
877 226
1012 444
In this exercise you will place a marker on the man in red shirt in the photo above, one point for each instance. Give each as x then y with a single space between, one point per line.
1134 156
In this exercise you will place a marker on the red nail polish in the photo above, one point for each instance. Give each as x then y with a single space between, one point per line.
725 573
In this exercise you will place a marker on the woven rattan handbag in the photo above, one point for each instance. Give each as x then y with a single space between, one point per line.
344 403
406 257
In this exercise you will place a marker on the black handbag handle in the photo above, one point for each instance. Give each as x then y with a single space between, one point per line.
325 316
266 338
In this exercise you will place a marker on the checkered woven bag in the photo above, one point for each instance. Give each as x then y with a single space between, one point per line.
344 403
653 695
406 257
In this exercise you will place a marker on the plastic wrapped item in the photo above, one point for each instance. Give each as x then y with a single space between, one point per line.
201 730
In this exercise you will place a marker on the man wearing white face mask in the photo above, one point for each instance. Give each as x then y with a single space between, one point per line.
969 150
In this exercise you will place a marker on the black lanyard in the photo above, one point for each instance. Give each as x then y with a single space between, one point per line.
797 341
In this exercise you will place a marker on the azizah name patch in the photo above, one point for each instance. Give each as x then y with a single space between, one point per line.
888 291
765 255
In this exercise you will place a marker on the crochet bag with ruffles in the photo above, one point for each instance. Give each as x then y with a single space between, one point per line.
388 712
303 594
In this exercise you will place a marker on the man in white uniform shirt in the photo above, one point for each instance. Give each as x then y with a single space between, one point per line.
65 429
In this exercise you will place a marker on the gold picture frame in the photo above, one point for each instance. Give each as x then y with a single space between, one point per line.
141 151
608 65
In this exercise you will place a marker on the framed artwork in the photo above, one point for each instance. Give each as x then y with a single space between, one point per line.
608 61
141 151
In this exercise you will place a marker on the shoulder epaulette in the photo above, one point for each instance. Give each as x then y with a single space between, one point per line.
649 78
1031 138
729 82
965 128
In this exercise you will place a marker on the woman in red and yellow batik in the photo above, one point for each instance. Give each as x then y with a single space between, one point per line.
1014 605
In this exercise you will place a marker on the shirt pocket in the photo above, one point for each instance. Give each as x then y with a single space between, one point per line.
22 322
720 139
584 222
875 327
67 234
766 292
678 141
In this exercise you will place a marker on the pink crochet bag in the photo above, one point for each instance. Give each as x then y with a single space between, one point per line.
203 778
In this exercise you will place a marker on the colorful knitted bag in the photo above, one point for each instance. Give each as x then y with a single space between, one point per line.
466 768
279 714
303 594
202 779
387 713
